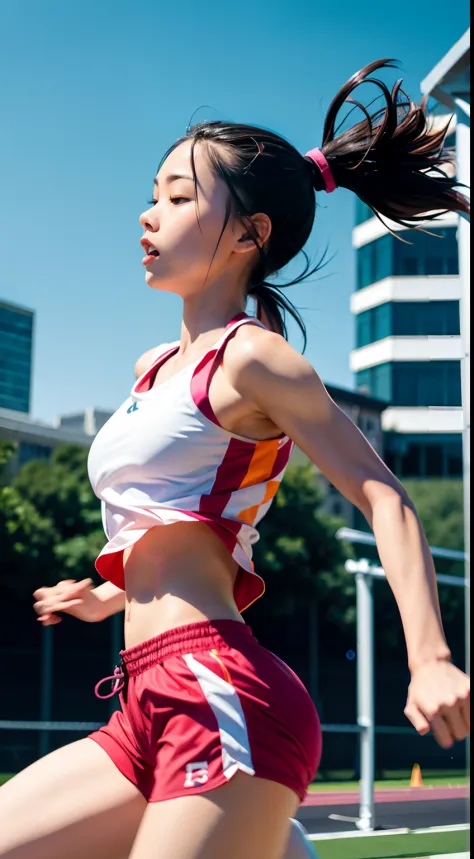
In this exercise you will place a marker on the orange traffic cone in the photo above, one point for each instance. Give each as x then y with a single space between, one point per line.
416 777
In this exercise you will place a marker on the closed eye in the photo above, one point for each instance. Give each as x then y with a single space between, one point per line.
175 200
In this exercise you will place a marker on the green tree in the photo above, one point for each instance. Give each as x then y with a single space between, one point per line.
26 537
441 509
60 489
50 522
298 553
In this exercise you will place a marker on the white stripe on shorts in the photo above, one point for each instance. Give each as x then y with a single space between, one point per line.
225 704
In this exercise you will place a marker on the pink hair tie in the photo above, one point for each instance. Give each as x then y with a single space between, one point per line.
319 158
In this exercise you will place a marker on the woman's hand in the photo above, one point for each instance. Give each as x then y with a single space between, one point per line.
439 701
69 597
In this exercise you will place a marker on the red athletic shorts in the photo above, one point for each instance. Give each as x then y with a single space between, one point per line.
203 701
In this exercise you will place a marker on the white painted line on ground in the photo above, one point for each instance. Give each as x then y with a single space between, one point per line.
379 833
453 827
449 856
327 836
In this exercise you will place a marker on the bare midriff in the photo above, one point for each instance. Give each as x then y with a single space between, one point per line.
176 575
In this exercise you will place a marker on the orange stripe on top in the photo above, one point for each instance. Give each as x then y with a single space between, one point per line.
227 676
262 462
249 515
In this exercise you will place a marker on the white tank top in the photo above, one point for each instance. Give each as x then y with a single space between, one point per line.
163 458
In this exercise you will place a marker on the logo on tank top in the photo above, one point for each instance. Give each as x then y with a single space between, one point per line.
196 774
132 408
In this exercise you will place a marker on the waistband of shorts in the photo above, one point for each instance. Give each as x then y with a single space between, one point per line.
205 635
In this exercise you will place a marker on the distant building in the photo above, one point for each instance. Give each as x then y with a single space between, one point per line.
408 344
37 440
16 349
89 421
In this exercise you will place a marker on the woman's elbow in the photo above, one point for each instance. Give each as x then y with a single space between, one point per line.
387 492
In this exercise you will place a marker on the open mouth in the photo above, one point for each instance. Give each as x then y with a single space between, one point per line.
150 251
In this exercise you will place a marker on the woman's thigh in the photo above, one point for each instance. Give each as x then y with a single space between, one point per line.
248 818
72 803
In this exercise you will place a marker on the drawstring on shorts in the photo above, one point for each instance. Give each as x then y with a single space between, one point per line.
118 683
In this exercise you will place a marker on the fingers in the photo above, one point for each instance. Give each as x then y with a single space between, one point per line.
442 732
456 722
418 720
65 595
49 619
449 724
50 606
42 593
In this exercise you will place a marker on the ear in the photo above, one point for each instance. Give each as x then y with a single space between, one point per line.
255 228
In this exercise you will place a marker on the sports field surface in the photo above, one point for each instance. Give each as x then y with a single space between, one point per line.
402 845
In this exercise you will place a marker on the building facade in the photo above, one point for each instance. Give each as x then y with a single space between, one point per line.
408 345
16 353
36 440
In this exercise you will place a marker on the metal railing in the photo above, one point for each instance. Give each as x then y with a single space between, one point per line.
365 572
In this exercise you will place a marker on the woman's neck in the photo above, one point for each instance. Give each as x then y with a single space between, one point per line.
203 316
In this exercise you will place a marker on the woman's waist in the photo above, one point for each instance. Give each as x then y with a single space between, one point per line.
176 576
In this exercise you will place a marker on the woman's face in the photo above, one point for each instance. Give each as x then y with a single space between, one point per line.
178 247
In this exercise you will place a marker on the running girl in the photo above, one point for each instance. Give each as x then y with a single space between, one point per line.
217 740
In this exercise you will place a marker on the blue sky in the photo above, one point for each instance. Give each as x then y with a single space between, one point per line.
94 91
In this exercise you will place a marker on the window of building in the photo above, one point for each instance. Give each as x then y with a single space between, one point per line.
454 459
426 383
365 274
382 321
453 383
423 255
364 329
374 324
435 455
376 382
364 381
407 318
437 254
425 318
433 464
413 383
16 332
383 257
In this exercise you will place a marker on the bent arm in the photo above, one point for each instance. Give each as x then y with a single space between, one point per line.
111 599
286 388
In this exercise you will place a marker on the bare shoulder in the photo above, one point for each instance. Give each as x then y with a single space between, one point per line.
257 353
264 369
144 362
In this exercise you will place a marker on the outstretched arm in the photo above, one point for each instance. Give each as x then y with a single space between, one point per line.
282 385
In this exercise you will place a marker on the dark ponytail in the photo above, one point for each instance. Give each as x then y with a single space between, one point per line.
392 160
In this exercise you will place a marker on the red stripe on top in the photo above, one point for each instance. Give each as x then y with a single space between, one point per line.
229 476
200 386
281 460
202 376
143 384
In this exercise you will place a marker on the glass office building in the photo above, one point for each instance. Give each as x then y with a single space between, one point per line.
407 341
16 348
